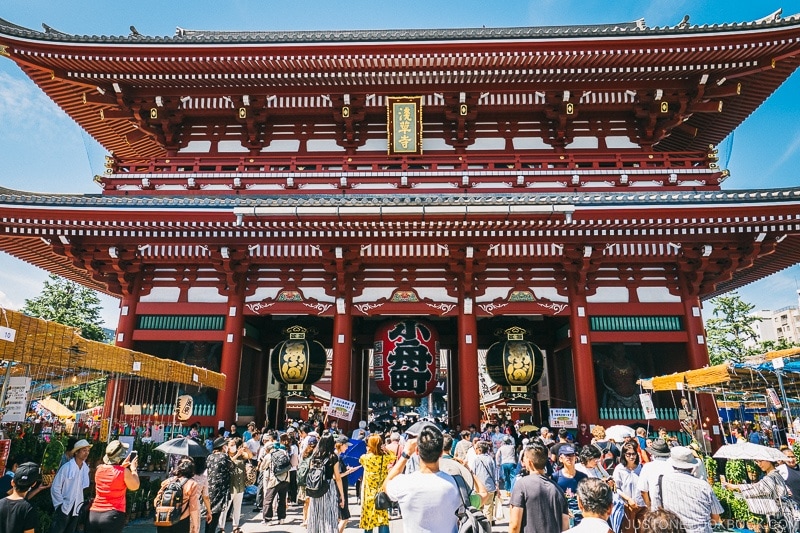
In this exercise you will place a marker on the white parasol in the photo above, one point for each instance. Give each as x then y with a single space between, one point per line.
619 432
748 450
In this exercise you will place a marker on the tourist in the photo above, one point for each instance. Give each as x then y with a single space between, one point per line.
204 515
691 499
590 463
112 479
67 489
650 472
506 460
568 478
626 481
376 467
323 511
191 495
290 443
462 447
546 437
340 446
428 498
537 504
219 469
240 456
486 472
17 515
275 485
595 502
361 433
789 472
763 497
562 440
584 435
661 521
248 433
308 451
69 451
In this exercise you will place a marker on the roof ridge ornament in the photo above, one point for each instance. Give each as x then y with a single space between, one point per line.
771 18
684 23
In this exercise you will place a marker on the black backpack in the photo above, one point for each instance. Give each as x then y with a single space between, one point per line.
607 458
317 483
470 519
280 462
302 471
169 503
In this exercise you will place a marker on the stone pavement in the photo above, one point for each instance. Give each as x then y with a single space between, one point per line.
294 519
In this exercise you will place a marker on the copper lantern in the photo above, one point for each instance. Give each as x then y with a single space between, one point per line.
298 361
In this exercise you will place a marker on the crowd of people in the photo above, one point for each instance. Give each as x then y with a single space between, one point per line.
429 475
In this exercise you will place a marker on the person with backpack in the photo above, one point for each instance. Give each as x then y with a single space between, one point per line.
324 487
275 466
177 503
429 498
609 453
302 472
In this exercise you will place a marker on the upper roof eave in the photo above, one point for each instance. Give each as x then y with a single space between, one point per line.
636 28
584 200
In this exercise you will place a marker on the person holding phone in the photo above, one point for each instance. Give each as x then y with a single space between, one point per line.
113 478
67 489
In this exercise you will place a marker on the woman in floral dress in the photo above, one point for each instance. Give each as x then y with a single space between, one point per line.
376 464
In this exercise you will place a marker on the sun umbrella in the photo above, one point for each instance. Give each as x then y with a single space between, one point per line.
748 450
183 446
528 427
619 432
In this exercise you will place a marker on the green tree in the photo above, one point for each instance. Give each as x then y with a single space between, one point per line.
68 303
731 333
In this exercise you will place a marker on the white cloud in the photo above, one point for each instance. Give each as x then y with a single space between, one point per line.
25 108
6 303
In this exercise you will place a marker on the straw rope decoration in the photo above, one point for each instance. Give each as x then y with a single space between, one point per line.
50 346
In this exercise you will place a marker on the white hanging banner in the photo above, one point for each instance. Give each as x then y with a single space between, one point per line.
647 406
185 407
17 399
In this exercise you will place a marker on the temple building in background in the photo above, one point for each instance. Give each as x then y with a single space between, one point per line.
406 199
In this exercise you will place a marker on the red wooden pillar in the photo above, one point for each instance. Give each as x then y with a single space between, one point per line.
468 389
697 357
582 362
124 339
342 361
231 356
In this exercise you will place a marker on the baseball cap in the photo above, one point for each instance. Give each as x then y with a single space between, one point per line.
27 474
566 450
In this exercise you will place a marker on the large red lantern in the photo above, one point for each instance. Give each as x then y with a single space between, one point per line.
405 358
515 363
298 361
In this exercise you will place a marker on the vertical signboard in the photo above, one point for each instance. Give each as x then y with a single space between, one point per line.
404 123
17 399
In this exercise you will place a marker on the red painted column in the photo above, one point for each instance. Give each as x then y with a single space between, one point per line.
124 339
342 361
231 356
582 362
697 357
468 390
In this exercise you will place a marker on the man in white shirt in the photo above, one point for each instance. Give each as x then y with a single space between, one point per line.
428 498
595 500
67 489
648 477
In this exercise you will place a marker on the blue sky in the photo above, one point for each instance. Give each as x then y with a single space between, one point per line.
44 151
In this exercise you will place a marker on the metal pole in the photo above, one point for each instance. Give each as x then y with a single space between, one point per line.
787 410
175 409
113 405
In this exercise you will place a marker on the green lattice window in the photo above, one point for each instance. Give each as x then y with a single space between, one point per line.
635 323
182 322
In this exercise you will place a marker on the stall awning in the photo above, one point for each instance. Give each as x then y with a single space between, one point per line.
56 407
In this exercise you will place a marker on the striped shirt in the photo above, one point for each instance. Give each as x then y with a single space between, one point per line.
762 497
691 499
